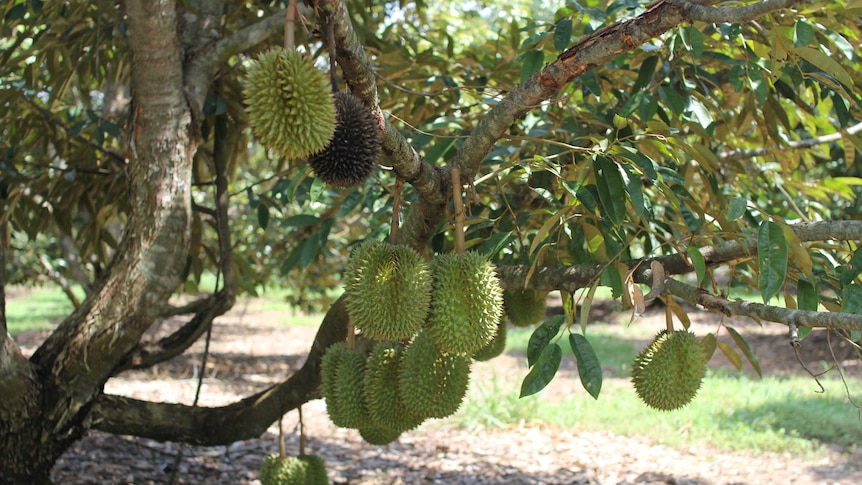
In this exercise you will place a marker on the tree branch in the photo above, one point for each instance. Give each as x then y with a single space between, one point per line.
787 316
695 12
210 426
805 143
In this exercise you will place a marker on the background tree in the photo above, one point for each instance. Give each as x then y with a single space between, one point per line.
600 144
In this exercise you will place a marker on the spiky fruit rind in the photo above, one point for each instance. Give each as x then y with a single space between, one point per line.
379 436
349 158
293 470
668 373
349 411
290 105
382 400
466 304
525 307
432 383
328 376
495 347
388 290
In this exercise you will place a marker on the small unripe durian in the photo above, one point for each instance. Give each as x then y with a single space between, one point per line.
290 106
466 304
382 390
388 290
293 470
525 307
342 373
495 347
432 383
349 158
668 373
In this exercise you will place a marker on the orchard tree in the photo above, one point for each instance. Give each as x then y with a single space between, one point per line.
616 144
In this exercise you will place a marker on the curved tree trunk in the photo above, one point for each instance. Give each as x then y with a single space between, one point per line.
46 401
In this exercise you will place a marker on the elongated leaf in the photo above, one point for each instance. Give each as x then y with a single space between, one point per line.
645 73
544 371
852 299
772 259
589 367
826 64
807 296
851 270
612 189
531 63
803 33
585 306
708 343
562 34
263 216
542 336
699 264
731 355
746 350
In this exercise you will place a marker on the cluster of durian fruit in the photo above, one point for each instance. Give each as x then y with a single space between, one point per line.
420 325
293 112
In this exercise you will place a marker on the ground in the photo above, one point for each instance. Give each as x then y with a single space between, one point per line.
250 351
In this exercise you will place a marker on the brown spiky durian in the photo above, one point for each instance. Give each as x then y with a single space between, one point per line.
290 105
349 158
668 373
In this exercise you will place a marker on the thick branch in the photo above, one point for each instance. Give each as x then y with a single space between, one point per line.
787 316
241 420
805 143
716 15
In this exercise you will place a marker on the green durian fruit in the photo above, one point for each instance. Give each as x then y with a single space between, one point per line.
432 383
379 436
381 390
525 307
668 373
349 158
293 470
290 105
328 375
466 304
495 347
350 409
388 290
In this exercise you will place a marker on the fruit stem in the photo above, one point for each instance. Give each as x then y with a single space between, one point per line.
301 432
460 214
396 211
290 26
281 452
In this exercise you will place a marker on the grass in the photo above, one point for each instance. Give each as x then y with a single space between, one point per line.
39 308
731 411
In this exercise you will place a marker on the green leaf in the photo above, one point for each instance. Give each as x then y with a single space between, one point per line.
803 33
542 336
645 73
612 189
263 216
772 259
589 368
826 64
807 296
699 264
672 100
495 243
708 343
696 42
851 270
544 371
562 34
531 63
851 301
736 208
585 306
317 188
731 355
300 220
746 350
634 187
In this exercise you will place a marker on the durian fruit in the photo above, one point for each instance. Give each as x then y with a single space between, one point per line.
385 409
432 383
290 105
379 436
466 304
388 290
668 373
349 157
342 372
293 470
495 347
525 307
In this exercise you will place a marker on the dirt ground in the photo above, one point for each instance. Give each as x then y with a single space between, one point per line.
252 351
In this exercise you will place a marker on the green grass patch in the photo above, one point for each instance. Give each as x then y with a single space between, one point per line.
38 308
730 412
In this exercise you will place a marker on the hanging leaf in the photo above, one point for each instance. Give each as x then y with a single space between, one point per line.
531 62
263 216
731 355
542 336
562 34
807 297
544 371
826 64
699 264
589 368
645 73
772 259
585 306
708 343
746 350
612 189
